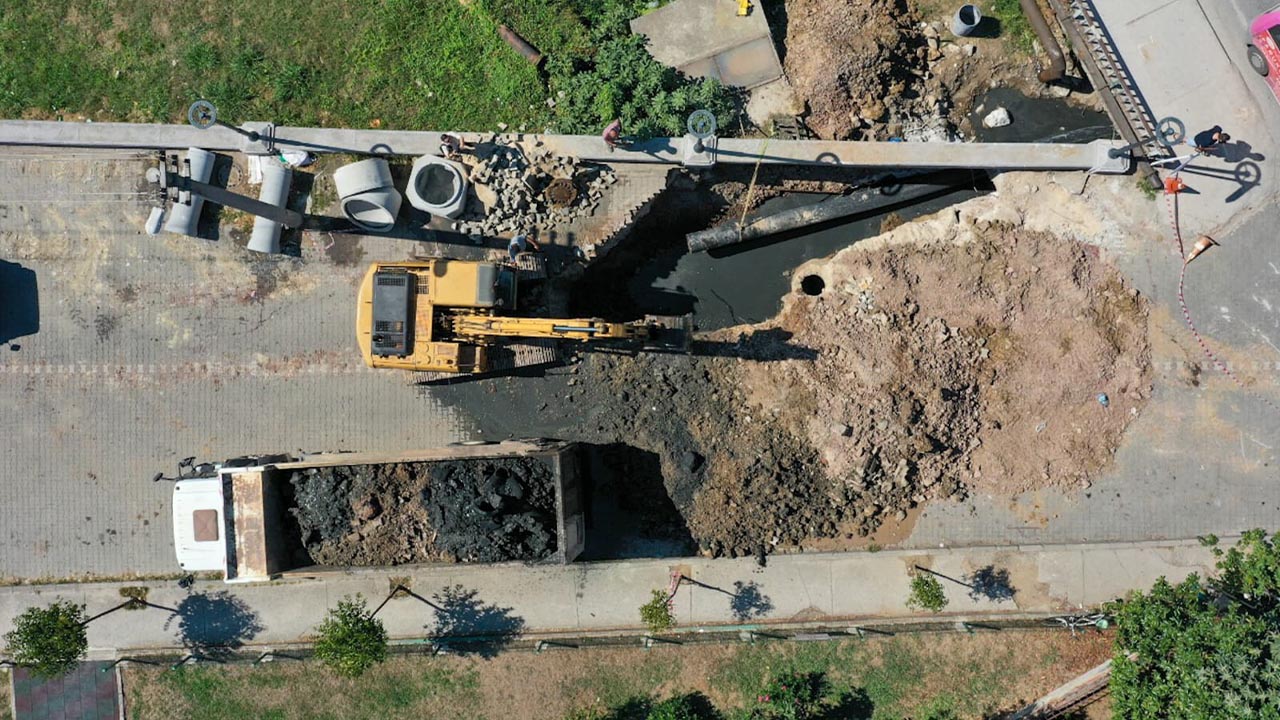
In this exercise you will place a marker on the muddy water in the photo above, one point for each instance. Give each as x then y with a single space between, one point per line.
745 284
1039 119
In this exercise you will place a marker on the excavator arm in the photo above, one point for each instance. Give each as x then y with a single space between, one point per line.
582 330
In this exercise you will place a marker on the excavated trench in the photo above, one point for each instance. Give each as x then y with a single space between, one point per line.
666 428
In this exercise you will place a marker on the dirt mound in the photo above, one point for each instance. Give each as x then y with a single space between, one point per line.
979 365
847 58
481 510
918 372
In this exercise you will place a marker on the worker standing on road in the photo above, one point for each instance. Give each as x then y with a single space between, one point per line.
612 135
518 244
1207 141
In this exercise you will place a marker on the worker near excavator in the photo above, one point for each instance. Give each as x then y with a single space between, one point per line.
518 245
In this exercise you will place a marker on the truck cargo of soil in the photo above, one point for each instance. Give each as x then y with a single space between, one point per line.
511 501
483 510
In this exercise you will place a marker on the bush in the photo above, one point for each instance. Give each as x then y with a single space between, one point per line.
790 696
926 594
656 613
680 707
49 641
350 640
620 80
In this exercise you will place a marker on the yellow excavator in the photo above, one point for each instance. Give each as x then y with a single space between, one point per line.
455 317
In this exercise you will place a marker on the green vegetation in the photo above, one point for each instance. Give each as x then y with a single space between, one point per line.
656 614
49 640
364 63
1205 649
889 678
1013 24
1149 191
396 689
926 593
620 80
350 640
393 63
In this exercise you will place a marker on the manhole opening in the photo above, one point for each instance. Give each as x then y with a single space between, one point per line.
813 285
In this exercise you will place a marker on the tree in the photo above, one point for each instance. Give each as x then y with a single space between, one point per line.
656 613
926 594
49 640
1203 649
350 640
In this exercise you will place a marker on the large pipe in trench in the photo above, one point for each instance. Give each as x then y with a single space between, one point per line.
862 202
1057 62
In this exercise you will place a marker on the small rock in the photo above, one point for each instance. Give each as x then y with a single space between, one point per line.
1085 484
842 429
971 50
997 118
900 515
503 127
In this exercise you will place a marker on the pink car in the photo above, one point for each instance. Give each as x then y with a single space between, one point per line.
1264 51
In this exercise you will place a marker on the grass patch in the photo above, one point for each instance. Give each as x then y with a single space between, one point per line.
399 688
1013 24
388 63
901 677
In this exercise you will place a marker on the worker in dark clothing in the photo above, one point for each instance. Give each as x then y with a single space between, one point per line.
1210 140
518 245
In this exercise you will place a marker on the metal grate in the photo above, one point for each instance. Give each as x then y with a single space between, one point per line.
1109 74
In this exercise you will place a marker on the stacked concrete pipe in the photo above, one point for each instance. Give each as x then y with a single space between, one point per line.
276 180
184 216
368 197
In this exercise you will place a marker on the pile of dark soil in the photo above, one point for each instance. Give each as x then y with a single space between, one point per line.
478 510
493 510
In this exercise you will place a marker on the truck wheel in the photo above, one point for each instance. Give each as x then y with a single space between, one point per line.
1258 61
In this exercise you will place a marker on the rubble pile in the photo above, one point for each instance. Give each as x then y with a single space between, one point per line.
511 190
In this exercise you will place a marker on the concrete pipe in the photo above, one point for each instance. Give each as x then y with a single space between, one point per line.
438 186
966 20
1057 61
866 202
520 45
184 216
276 180
367 195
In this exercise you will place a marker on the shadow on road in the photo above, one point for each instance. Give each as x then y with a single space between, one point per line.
468 624
991 584
215 624
748 602
19 303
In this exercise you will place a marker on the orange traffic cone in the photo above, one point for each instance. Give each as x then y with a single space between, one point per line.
1174 185
1204 242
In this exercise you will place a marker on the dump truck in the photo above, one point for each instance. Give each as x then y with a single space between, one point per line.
260 518
458 317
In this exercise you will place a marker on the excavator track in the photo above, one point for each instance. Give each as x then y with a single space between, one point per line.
504 359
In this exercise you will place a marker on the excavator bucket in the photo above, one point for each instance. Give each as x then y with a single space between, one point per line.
669 333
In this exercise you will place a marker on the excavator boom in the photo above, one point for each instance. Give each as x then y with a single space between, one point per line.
583 330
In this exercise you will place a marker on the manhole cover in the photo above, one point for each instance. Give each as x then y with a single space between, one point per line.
561 191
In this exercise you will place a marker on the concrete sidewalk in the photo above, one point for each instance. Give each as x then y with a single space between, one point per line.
1187 68
596 598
